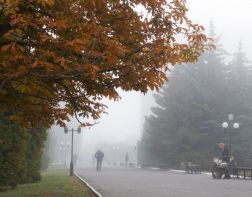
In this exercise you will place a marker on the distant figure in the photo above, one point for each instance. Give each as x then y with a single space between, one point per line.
75 158
99 157
126 159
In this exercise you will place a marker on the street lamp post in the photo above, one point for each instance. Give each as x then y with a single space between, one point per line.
71 163
227 125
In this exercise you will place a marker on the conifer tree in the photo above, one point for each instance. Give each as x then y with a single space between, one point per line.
186 123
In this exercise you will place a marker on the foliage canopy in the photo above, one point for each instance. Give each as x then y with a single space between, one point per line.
77 52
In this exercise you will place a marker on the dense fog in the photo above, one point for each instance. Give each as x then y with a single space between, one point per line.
119 131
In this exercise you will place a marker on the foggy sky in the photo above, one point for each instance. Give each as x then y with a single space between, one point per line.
232 19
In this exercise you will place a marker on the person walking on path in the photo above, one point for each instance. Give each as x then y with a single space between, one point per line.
99 157
126 160
75 159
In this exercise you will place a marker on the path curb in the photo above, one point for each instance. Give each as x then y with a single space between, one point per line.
88 185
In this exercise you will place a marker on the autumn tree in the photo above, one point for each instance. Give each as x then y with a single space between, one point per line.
61 58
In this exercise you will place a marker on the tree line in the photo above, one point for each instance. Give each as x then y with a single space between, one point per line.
186 123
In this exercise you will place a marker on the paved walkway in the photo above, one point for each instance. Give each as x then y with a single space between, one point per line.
150 183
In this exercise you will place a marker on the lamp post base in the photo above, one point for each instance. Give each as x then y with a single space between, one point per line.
71 168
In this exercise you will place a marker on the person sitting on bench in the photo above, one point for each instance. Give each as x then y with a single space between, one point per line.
225 156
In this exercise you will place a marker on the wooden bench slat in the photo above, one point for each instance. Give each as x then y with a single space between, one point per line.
246 168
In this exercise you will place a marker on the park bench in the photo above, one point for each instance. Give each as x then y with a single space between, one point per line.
247 171
132 164
193 168
163 166
146 166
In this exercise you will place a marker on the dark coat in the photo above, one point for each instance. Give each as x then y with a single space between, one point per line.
225 155
99 155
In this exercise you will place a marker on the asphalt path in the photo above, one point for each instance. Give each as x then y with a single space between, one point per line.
155 183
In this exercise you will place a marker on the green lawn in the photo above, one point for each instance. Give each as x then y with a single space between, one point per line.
55 183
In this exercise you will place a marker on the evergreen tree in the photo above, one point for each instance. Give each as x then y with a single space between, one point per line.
20 153
240 89
186 123
13 147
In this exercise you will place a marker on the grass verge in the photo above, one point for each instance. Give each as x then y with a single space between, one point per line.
55 183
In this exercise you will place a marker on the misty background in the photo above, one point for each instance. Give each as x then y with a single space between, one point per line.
119 131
